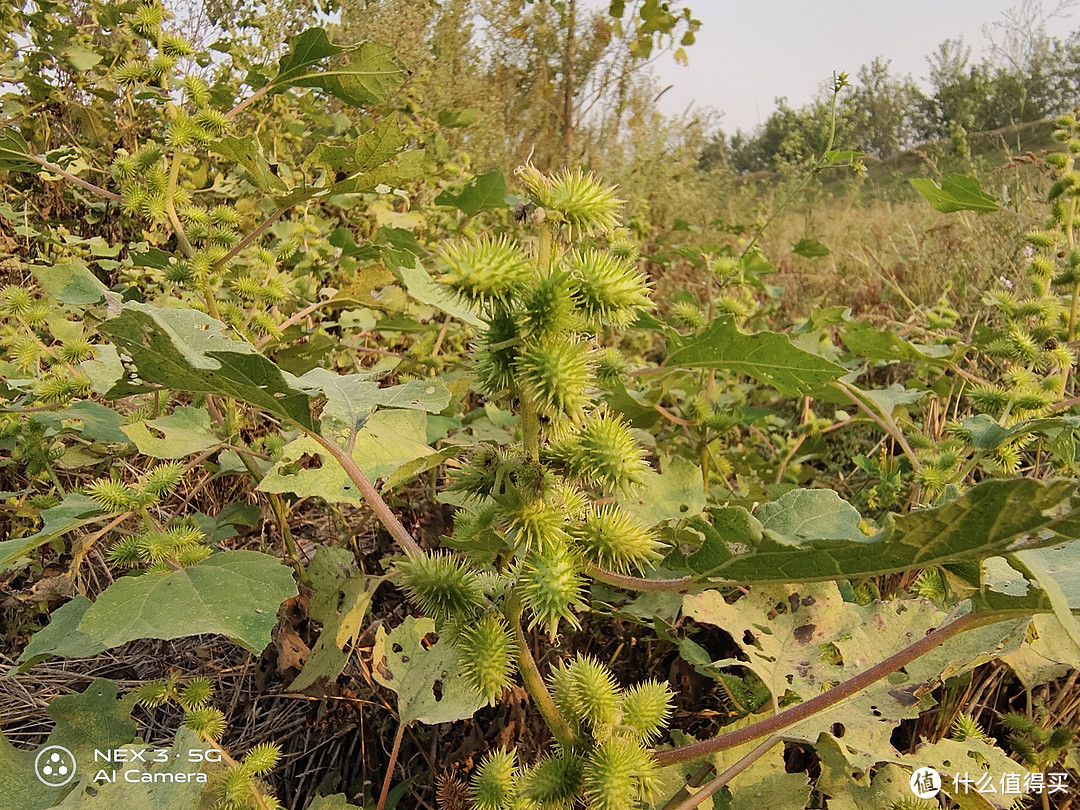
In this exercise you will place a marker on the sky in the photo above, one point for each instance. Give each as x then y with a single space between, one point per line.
750 52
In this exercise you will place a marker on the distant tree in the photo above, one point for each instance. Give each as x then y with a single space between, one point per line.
884 112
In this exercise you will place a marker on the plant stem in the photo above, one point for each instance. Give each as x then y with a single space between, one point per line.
640 583
369 493
883 421
52 167
800 712
391 765
714 786
277 503
170 208
530 429
533 680
251 237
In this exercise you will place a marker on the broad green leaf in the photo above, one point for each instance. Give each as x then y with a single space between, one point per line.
458 118
812 514
768 357
374 148
809 248
992 518
185 431
235 593
352 398
187 350
1050 653
96 422
371 71
421 287
80 58
172 784
482 192
974 758
74 511
848 791
70 283
248 152
673 494
388 440
868 341
803 638
404 166
1034 565
105 370
61 636
985 433
411 469
887 400
306 49
957 192
427 679
767 776
1062 564
95 719
340 598
15 153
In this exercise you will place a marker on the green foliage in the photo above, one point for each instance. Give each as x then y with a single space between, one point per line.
241 314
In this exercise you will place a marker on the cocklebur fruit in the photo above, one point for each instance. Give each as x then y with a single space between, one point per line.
551 586
495 781
617 541
486 273
487 652
440 585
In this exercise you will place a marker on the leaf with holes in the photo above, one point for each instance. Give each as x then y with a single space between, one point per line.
339 602
185 431
171 783
388 440
98 718
804 639
352 398
673 494
425 673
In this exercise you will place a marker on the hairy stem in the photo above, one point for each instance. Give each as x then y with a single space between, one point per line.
254 234
826 700
391 765
533 680
640 583
52 167
369 493
883 422
714 786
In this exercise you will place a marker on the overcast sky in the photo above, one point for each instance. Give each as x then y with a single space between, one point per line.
747 53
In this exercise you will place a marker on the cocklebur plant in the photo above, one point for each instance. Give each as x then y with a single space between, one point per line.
238 787
1030 359
158 548
613 770
541 516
